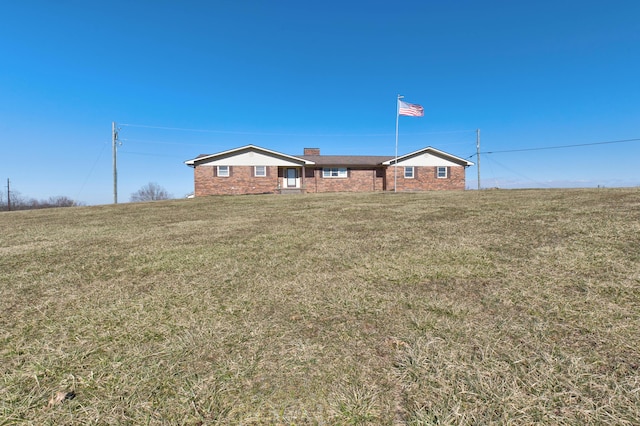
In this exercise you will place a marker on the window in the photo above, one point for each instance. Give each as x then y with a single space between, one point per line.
334 172
442 172
408 172
223 171
260 171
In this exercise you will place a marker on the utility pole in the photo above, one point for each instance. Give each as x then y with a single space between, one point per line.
478 154
114 146
8 196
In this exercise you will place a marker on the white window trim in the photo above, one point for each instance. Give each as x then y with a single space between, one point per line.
223 174
340 172
446 172
407 168
264 171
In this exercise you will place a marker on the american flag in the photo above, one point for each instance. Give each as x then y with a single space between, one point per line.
412 110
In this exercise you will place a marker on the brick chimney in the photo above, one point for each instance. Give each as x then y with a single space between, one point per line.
311 151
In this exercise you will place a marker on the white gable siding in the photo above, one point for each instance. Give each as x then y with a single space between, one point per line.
426 160
251 159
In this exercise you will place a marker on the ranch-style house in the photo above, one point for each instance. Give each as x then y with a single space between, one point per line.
254 170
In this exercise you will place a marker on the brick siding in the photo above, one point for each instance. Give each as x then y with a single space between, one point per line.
358 180
425 179
240 181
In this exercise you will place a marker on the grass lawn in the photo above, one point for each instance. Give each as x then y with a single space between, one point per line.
491 307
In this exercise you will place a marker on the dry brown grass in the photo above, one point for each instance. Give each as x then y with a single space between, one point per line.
498 307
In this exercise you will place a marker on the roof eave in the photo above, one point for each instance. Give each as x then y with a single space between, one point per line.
194 162
450 157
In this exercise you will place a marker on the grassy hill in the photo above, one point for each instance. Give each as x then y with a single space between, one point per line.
436 308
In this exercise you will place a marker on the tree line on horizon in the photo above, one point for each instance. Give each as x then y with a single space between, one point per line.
20 202
149 192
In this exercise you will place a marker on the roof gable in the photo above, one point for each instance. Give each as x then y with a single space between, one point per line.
249 155
429 156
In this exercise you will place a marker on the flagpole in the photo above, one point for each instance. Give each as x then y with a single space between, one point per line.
395 167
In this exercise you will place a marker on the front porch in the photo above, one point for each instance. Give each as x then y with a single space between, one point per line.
290 180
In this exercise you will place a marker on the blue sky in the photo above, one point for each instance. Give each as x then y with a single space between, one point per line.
183 78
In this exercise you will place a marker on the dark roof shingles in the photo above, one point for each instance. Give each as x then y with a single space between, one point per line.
346 160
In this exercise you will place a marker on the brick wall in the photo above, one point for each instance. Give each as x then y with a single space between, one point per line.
240 181
358 180
425 179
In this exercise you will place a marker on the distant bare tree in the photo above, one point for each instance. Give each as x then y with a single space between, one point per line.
150 192
62 201
19 202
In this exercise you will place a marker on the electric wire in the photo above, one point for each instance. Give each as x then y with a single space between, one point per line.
95 163
560 146
525 177
146 154
554 147
233 132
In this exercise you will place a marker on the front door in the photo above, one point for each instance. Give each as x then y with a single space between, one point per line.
292 178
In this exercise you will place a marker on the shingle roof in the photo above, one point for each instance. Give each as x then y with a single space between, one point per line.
346 160
335 160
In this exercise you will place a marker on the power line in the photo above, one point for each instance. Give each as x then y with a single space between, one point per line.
517 173
104 146
144 141
559 146
183 129
233 132
147 154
